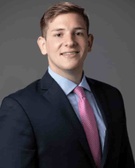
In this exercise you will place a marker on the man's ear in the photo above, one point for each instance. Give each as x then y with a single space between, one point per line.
42 45
90 42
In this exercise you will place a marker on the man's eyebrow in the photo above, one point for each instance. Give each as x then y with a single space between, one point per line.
62 29
59 29
80 28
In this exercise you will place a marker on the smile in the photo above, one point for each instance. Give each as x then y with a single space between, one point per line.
70 53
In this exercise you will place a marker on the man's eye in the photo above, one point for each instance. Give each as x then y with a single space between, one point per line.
58 35
79 33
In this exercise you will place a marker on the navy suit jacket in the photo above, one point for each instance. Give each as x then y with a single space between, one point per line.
39 129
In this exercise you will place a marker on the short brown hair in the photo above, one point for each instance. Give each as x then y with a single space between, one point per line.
61 8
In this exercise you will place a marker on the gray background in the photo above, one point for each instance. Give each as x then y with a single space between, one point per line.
112 59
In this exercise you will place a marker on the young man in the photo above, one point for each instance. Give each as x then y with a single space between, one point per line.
44 125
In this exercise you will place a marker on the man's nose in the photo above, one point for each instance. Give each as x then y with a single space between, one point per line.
70 41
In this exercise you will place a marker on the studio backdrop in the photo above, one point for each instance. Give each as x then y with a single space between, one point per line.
112 59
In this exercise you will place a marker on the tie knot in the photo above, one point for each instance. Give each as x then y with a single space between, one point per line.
80 92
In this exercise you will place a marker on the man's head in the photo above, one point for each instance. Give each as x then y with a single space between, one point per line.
65 39
58 9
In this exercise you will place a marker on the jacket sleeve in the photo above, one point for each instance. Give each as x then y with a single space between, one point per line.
126 157
120 153
17 142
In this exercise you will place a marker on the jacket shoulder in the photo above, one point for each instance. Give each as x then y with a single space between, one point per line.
101 84
105 88
30 91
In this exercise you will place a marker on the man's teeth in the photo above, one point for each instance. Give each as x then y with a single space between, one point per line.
68 53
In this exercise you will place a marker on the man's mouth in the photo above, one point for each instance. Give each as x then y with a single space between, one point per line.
70 53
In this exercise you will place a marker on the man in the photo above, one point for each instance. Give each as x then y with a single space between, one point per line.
43 126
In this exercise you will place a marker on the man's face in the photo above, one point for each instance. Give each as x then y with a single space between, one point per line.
67 43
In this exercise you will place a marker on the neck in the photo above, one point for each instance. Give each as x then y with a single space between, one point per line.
74 76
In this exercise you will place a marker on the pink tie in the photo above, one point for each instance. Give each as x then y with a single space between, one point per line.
89 125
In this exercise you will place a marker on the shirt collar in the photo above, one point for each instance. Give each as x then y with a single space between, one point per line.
66 84
84 84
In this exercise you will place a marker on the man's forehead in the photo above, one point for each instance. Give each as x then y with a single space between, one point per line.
64 29
68 21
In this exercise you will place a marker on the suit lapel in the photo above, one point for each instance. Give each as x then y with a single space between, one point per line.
101 100
53 93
